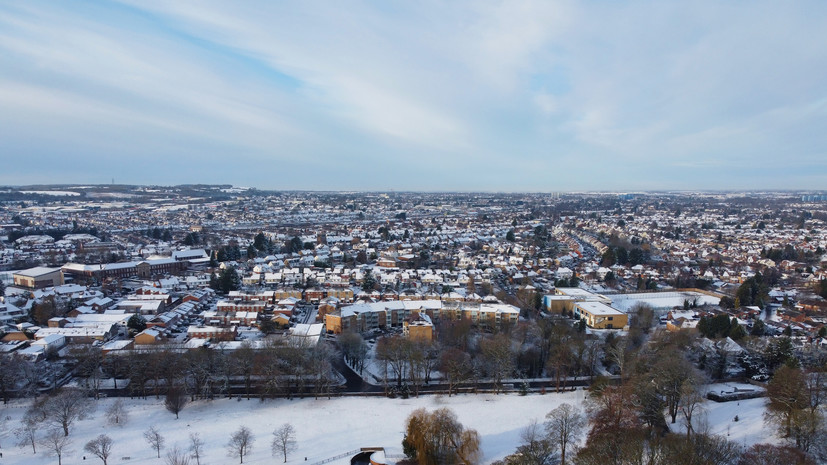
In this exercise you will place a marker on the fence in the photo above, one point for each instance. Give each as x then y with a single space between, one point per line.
340 456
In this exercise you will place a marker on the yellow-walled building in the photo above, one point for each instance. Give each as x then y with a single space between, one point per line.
600 316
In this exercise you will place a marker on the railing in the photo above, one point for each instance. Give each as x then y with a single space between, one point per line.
340 456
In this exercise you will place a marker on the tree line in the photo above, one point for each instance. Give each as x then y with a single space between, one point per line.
274 370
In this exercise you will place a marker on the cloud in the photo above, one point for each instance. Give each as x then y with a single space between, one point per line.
434 95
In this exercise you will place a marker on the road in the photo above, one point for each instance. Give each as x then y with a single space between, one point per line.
355 384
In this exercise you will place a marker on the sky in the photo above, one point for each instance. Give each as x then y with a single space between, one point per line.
474 95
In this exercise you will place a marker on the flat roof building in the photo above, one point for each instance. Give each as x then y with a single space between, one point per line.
600 316
38 277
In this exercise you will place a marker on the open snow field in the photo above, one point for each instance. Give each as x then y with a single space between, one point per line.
661 300
327 428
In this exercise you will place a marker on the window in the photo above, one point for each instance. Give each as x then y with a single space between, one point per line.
611 318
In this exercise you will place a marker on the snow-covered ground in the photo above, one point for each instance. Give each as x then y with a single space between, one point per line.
749 429
55 193
326 428
660 300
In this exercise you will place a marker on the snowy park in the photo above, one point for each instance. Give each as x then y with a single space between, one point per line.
327 428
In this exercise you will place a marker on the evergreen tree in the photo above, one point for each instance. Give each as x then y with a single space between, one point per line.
758 328
753 291
368 282
609 257
637 257
229 280
622 255
260 242
736 331
136 322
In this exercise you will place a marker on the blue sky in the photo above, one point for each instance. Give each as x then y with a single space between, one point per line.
426 95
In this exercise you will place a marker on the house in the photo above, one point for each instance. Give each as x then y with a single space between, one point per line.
144 307
15 336
563 273
212 332
81 335
386 262
148 336
281 320
306 335
11 314
118 346
241 306
99 304
314 295
39 348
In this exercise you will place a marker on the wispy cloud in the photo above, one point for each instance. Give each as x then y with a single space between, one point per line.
424 95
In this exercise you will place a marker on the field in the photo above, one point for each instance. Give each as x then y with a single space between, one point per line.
327 428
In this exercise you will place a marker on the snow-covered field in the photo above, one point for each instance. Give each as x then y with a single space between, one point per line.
326 428
55 193
660 300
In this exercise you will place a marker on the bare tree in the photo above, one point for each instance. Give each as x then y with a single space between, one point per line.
319 365
691 403
89 361
243 360
202 369
177 457
175 400
100 447
393 351
241 443
536 447
768 454
565 425
269 369
196 447
284 440
669 374
116 414
354 349
10 373
3 425
27 433
498 358
56 443
432 351
455 364
414 357
154 438
617 354
66 407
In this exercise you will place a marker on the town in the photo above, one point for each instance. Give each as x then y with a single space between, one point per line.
206 292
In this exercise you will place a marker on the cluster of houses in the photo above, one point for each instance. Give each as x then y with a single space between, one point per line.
430 257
